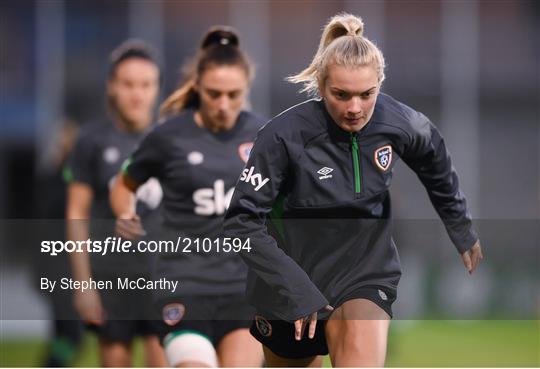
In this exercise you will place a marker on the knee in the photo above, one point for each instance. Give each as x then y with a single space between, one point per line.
115 355
351 345
347 342
353 354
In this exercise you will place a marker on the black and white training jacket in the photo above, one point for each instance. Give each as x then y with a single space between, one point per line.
314 202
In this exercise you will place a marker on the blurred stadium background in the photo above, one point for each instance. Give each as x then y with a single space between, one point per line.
471 66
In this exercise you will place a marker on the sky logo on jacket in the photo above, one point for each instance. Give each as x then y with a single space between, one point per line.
255 179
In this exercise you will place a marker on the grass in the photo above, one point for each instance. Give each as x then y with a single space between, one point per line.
30 353
489 343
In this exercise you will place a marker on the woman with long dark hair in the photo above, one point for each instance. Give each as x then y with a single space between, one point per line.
197 155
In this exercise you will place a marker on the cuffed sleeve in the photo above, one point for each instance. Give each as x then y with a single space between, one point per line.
427 156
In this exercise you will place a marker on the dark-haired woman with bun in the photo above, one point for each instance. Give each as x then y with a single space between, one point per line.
327 166
197 154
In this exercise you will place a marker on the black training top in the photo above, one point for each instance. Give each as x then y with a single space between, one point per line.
197 170
327 194
95 160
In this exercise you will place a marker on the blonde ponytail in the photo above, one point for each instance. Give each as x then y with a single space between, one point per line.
335 48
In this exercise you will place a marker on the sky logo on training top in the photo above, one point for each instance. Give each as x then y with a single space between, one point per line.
211 201
256 180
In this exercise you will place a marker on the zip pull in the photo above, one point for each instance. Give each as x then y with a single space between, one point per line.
354 143
356 162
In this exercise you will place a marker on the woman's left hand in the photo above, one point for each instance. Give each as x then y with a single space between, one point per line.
471 258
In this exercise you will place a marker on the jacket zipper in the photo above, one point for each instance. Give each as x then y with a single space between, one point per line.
356 163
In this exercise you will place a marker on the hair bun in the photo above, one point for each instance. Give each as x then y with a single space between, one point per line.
220 35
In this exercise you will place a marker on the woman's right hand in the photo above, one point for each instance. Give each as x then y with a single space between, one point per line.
300 324
471 258
89 307
129 226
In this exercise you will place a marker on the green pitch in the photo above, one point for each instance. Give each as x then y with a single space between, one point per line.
488 343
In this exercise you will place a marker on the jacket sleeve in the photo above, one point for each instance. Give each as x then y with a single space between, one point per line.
280 286
427 156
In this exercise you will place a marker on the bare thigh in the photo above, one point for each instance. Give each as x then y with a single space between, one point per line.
114 354
357 334
239 349
154 355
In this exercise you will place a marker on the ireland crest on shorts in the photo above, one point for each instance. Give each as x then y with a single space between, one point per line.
383 157
263 326
173 313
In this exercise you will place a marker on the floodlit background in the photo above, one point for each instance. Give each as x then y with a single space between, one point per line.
471 66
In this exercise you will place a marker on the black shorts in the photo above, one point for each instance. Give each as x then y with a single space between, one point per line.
211 316
278 335
125 330
128 314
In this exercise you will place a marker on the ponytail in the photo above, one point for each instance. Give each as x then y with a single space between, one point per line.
342 43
